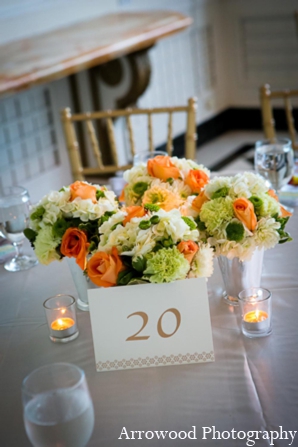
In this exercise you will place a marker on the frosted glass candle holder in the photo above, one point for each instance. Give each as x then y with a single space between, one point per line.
256 310
61 317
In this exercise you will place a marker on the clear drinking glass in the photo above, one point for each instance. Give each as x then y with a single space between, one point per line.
58 410
14 218
274 160
144 156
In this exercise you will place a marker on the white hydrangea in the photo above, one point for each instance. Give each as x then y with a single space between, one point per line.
248 184
106 228
137 174
185 165
202 263
217 183
171 224
267 235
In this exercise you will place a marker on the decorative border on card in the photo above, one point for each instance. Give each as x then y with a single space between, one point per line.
173 359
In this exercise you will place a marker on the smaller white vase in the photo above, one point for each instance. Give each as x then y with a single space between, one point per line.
82 284
239 275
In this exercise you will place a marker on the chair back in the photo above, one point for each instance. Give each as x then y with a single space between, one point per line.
80 172
266 97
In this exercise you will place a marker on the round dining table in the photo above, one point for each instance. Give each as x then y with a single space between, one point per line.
251 386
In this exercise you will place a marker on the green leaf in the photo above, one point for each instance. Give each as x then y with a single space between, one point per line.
235 231
170 180
221 192
100 194
144 224
30 235
201 226
139 264
155 220
189 222
157 247
59 227
139 188
151 207
116 225
38 213
124 277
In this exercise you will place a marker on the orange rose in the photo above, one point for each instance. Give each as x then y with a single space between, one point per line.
199 201
188 249
74 245
103 269
245 212
196 179
162 167
284 212
81 189
122 195
133 211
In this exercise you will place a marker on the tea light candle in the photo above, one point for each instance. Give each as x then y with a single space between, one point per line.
63 327
256 320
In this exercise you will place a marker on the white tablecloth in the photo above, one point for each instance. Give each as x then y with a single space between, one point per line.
252 385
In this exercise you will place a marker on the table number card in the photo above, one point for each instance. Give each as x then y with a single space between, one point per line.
151 325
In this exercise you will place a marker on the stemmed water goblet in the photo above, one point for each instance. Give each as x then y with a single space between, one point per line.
274 160
14 218
58 409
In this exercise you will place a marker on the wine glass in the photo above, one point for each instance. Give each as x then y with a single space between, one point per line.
144 156
58 410
14 218
274 160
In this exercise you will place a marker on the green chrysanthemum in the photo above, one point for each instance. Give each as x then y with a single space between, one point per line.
216 212
166 265
45 246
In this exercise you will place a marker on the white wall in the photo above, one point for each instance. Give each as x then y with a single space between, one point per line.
25 18
232 48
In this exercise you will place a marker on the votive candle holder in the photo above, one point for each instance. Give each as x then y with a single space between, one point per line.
256 312
61 318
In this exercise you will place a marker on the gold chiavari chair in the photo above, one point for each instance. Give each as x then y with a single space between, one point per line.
266 97
80 172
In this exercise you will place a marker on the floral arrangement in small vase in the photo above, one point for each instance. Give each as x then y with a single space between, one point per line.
239 214
164 181
65 222
148 245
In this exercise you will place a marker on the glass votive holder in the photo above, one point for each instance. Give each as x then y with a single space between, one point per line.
144 156
61 317
256 310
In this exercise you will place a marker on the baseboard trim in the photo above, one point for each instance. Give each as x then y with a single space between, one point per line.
233 118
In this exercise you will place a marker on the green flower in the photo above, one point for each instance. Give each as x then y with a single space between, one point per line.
139 188
45 246
166 265
257 203
221 192
216 212
151 207
235 231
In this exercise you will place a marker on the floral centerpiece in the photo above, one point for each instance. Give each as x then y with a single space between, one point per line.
148 245
239 214
164 181
65 222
